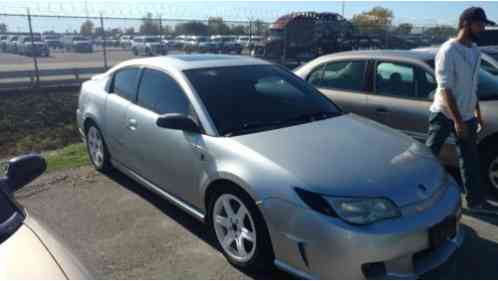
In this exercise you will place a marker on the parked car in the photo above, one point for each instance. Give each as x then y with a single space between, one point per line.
32 46
200 44
274 168
243 40
396 88
53 41
488 62
125 41
28 249
77 43
226 44
12 44
178 41
148 46
3 42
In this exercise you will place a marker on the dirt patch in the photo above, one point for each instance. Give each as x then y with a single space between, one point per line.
37 121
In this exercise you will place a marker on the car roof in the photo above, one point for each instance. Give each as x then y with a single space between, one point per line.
421 54
195 61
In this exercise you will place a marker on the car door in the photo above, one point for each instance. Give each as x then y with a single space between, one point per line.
403 94
170 159
344 82
122 93
400 98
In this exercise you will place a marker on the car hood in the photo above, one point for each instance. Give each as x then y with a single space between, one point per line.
24 250
69 264
351 156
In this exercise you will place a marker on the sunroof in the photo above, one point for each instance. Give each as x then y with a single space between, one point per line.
202 57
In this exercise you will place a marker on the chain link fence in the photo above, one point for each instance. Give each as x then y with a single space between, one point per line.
37 50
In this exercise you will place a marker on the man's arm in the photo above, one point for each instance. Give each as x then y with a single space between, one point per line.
479 116
445 76
449 100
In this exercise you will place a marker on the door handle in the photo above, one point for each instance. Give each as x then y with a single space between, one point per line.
132 124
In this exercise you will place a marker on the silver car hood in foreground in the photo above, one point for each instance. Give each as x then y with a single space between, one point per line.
34 253
351 156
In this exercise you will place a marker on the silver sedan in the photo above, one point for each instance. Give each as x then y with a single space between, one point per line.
281 176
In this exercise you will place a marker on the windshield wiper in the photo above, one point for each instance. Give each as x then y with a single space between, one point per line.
315 116
251 127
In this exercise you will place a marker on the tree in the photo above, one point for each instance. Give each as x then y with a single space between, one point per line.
405 28
441 31
259 28
216 26
3 28
376 20
130 30
239 30
149 25
87 28
192 28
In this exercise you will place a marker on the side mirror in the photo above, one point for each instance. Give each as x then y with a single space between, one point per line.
24 169
177 121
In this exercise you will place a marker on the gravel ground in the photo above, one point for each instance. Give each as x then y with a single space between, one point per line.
120 230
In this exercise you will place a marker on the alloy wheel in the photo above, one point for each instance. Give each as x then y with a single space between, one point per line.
234 228
95 147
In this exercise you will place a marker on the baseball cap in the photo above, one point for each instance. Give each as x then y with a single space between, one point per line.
473 14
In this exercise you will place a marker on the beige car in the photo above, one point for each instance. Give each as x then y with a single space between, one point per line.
27 249
396 88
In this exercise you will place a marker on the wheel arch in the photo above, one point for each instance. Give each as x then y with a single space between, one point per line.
487 141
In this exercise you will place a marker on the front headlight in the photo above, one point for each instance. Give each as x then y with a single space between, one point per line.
351 210
363 210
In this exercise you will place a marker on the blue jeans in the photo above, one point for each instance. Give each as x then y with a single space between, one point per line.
440 127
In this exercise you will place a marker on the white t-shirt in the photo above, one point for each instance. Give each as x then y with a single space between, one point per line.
457 68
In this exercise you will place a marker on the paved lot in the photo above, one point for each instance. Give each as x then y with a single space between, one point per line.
120 230
60 59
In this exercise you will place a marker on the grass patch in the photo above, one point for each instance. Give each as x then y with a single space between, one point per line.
71 156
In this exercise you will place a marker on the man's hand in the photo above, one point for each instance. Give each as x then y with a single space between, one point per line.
461 130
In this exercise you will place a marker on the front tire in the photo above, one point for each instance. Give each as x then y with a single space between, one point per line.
489 166
97 149
240 231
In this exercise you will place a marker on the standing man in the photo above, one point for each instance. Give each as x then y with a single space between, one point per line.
456 106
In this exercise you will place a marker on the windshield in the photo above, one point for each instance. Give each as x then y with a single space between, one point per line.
79 39
152 40
263 95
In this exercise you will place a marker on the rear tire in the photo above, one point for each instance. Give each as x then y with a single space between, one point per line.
97 149
240 233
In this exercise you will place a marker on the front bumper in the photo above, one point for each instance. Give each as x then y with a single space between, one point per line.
315 246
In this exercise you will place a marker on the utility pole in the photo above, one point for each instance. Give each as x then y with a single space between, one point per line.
103 40
33 54
343 4
86 9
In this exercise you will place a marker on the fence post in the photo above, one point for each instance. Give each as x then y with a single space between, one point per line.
35 59
104 46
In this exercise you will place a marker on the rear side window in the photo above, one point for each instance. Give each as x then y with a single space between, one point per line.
125 83
343 75
161 94
395 79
